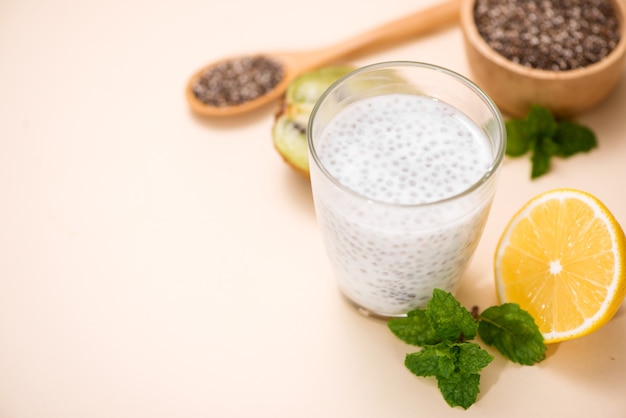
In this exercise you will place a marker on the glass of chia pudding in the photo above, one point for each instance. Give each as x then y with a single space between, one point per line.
404 164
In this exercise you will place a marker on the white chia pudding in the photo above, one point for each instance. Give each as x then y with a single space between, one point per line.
397 235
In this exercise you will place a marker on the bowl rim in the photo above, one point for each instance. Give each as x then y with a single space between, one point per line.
615 56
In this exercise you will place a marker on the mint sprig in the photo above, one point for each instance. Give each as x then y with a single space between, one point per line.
444 330
545 137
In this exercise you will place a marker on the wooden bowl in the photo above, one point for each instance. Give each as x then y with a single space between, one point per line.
515 87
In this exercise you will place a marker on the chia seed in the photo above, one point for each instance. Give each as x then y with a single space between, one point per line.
237 81
554 35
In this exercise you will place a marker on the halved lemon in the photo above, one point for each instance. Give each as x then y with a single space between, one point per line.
561 258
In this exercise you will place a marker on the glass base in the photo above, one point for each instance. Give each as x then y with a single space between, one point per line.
370 313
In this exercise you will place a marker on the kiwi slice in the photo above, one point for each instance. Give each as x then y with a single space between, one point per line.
292 118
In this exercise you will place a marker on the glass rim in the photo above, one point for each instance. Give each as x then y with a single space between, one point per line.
491 105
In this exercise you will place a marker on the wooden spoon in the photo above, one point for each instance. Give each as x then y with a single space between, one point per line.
297 63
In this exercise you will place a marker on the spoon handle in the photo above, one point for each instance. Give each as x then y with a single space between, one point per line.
417 23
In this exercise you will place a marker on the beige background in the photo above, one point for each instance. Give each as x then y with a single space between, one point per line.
158 264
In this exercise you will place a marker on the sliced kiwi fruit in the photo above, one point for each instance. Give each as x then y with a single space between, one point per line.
292 118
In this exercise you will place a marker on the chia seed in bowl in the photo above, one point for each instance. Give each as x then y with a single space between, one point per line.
564 55
554 35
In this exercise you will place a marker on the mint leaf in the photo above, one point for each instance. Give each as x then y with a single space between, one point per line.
444 358
540 122
517 142
414 329
540 163
573 138
459 389
449 319
433 360
513 332
472 358
547 145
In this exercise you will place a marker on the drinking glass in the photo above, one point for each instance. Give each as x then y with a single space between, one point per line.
404 158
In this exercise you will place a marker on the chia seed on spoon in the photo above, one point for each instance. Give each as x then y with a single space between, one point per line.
237 81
